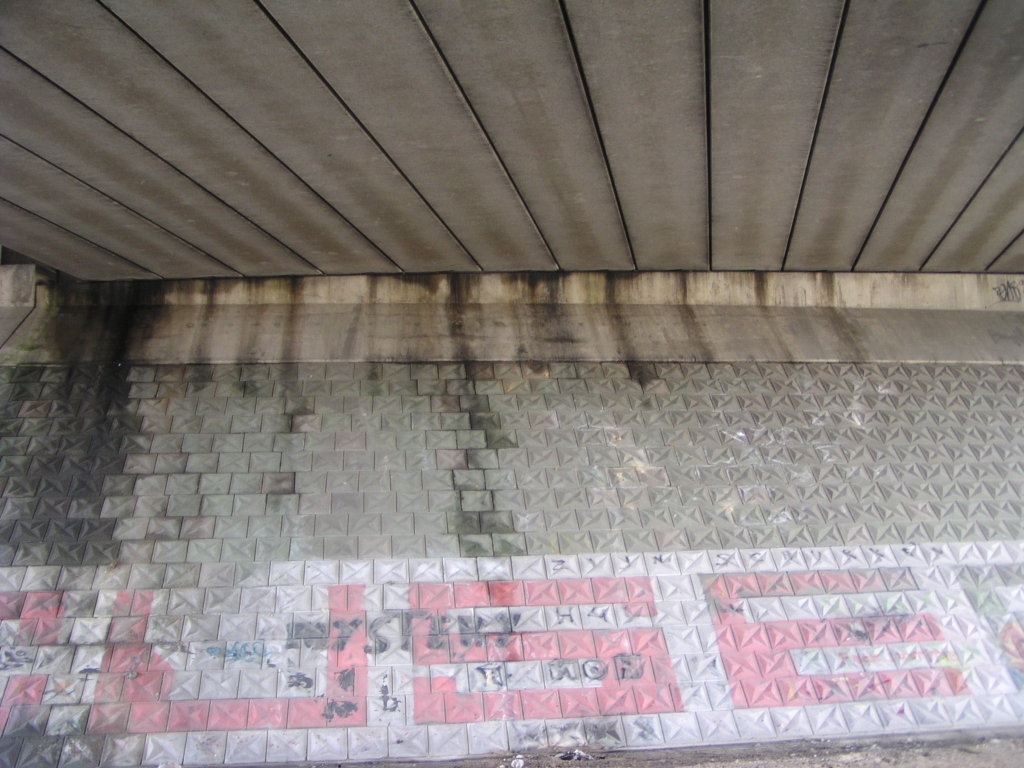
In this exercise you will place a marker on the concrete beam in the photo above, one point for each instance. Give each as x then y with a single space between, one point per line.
582 316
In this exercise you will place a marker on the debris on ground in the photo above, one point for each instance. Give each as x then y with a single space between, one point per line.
575 754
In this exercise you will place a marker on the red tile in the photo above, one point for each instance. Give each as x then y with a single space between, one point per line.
41 605
751 638
24 689
611 642
463 708
443 683
882 630
539 646
11 604
231 714
806 583
774 584
724 638
616 701
579 702
148 717
108 688
640 589
741 666
337 598
471 594
52 631
540 592
718 588
932 682
145 686
142 602
655 699
775 664
506 593
122 605
868 581
648 642
267 713
899 684
428 708
127 629
957 683
784 635
504 648
865 686
762 693
502 705
744 585
430 649
108 718
540 704
129 658
919 629
188 716
837 582
305 713
831 690
610 591
850 632
576 644
817 633
576 591
796 691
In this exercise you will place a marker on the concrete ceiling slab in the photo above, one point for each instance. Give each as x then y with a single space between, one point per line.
989 223
234 53
50 123
891 60
55 247
516 64
644 64
89 53
976 118
768 67
31 183
381 60
297 137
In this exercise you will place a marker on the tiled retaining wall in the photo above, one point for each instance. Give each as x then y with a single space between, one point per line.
205 564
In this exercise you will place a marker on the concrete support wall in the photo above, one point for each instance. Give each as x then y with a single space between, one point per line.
573 316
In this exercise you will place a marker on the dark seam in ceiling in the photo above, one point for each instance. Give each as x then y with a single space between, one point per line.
920 129
251 136
83 239
480 124
597 127
122 205
706 28
337 96
166 162
1002 253
970 200
817 128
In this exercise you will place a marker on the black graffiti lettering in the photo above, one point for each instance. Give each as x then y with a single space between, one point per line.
300 680
593 669
340 709
629 667
347 679
345 628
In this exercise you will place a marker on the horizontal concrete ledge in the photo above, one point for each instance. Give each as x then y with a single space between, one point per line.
738 289
572 317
